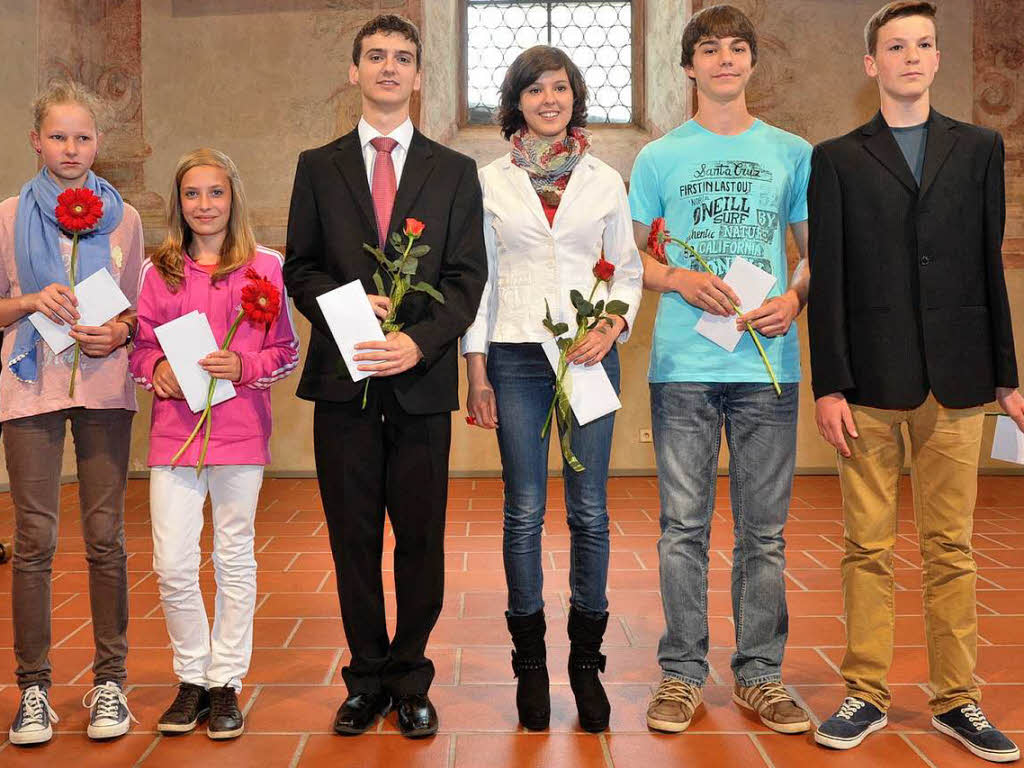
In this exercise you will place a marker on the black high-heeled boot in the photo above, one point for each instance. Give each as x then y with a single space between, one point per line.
529 663
585 661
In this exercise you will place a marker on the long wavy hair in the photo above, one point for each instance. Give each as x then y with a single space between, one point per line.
240 242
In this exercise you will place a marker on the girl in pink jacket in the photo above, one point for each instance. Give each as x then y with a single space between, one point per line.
202 265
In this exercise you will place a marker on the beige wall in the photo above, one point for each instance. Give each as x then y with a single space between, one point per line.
263 83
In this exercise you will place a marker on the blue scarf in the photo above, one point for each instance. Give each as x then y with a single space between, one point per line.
38 257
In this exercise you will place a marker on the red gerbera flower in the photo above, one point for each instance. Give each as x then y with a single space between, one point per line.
656 240
261 300
78 210
604 269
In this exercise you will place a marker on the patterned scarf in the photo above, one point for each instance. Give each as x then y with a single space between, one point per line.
549 163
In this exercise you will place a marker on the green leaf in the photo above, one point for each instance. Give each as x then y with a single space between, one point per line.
576 298
599 308
377 254
398 242
379 283
547 311
430 290
616 307
410 266
560 328
549 325
564 344
419 251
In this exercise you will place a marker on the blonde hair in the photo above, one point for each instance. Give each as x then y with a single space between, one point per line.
68 92
240 242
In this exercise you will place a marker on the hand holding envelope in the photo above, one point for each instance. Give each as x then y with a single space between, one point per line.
752 285
351 319
185 341
99 300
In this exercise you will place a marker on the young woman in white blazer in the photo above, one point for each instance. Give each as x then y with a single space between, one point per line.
551 210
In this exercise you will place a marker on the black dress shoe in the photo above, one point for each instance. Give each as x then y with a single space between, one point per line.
417 717
359 711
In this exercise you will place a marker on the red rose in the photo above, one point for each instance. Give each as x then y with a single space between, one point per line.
656 240
78 210
261 300
471 421
604 269
413 227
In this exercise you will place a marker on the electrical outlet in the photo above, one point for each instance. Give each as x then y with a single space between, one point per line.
645 436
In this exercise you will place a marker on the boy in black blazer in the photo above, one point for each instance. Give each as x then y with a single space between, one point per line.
393 453
909 324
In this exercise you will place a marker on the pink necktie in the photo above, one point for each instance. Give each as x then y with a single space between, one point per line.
384 186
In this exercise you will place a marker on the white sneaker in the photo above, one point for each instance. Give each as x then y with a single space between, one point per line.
32 722
110 716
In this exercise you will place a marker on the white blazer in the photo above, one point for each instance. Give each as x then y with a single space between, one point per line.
529 261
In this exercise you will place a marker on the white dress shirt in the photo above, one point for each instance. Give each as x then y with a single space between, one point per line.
529 260
402 134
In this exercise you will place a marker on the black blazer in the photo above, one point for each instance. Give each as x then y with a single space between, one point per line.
332 215
907 289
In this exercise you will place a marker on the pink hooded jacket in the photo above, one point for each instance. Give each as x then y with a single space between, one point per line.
241 426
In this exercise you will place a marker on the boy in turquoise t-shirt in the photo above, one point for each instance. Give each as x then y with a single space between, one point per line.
729 184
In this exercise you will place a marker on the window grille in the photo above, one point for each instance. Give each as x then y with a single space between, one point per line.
596 34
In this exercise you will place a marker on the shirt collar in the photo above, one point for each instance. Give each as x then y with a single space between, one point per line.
402 134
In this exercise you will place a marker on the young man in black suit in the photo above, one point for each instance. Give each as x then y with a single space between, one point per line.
909 324
392 454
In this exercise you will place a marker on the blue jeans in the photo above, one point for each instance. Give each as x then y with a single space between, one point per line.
523 387
760 429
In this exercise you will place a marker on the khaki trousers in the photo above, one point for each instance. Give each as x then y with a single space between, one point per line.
944 446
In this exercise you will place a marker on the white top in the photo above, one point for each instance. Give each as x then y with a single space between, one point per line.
529 260
402 134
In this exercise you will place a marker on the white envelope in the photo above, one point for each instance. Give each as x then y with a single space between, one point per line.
99 300
350 317
752 285
185 341
1008 442
591 394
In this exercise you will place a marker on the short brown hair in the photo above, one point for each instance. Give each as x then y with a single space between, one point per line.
388 23
524 71
718 21
894 10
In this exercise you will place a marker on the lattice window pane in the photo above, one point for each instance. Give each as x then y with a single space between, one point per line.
597 35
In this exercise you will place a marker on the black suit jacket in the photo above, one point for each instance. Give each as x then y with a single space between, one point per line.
907 289
332 215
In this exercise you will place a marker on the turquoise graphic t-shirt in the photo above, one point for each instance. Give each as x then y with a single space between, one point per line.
727 196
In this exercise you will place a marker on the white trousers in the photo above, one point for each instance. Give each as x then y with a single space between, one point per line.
176 498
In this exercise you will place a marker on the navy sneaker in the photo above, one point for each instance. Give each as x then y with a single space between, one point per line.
32 723
851 724
109 716
969 726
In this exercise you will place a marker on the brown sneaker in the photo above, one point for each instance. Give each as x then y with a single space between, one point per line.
673 705
774 706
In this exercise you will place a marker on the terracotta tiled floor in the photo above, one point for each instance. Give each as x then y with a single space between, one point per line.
295 686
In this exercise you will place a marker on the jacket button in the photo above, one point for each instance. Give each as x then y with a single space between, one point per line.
925 261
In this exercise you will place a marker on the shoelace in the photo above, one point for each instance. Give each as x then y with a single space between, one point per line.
223 703
106 698
186 700
976 717
770 693
672 689
33 702
849 708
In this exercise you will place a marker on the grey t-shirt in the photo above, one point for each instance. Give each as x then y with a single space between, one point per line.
912 141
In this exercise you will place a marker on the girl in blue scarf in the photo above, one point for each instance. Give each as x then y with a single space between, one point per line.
35 407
